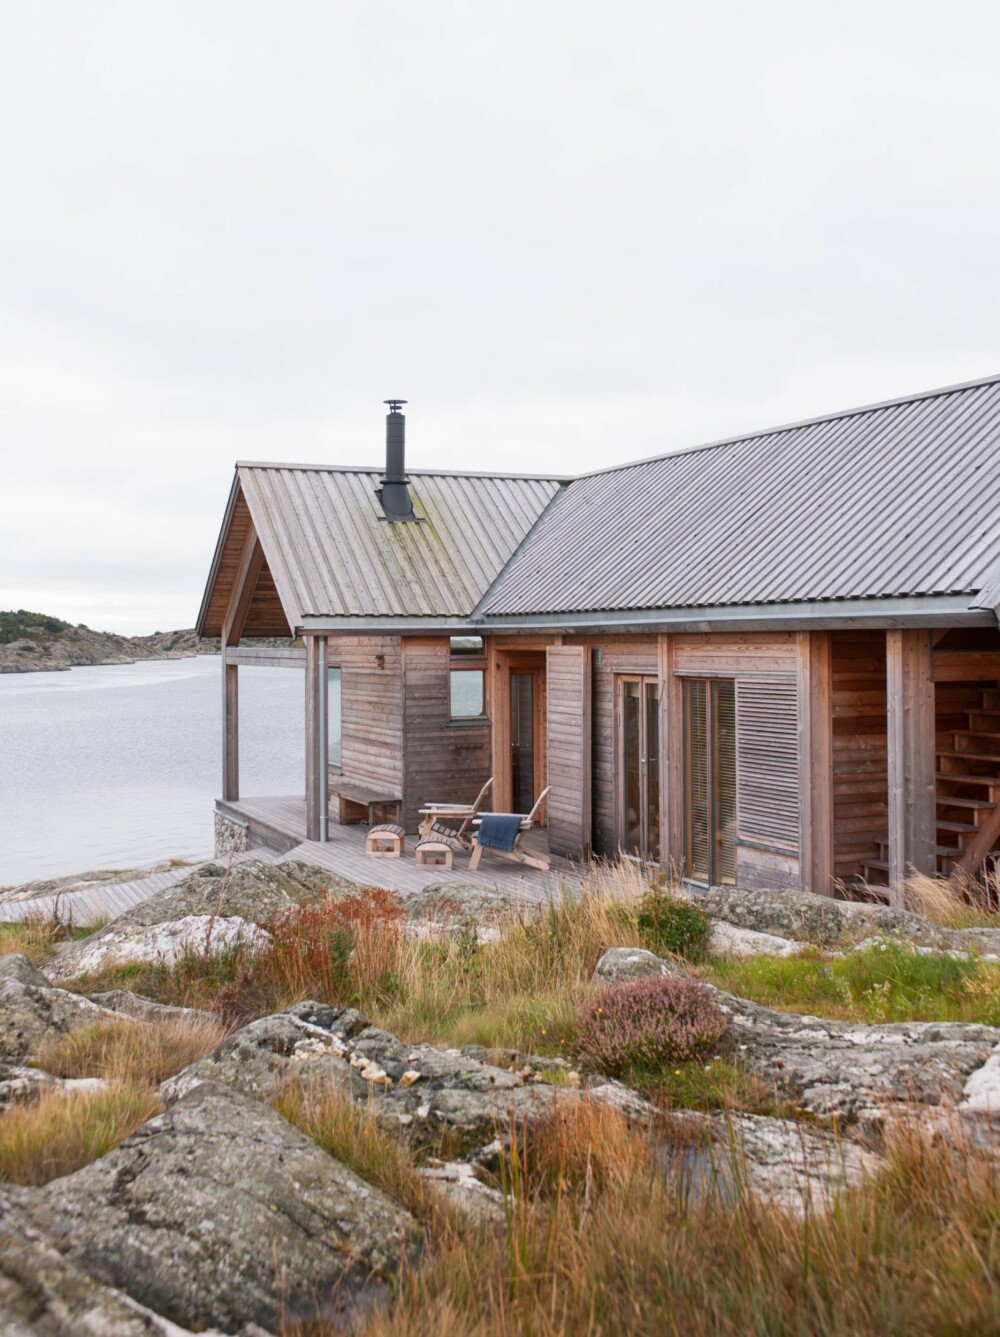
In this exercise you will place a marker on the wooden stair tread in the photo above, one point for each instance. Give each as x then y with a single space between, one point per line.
959 801
955 826
972 756
962 778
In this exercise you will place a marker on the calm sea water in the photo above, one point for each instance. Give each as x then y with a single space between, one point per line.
118 766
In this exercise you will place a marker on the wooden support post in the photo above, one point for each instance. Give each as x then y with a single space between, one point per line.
230 729
312 751
672 852
247 574
911 743
815 708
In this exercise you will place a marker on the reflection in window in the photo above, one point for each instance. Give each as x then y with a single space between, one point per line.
471 646
468 700
334 730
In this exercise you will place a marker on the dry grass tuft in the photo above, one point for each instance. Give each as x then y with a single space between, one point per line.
351 1134
135 1053
959 903
601 1238
63 1131
34 939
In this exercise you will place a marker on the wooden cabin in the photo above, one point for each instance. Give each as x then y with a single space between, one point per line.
769 661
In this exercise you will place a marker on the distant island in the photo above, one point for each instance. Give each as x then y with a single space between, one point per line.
35 642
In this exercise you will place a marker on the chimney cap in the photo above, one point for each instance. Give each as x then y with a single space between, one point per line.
394 404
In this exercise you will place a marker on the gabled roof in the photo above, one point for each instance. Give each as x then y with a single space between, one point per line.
897 499
330 554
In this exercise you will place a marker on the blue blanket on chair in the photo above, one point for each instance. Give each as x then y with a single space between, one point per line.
499 831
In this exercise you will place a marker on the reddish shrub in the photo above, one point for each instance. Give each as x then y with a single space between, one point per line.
333 949
648 1023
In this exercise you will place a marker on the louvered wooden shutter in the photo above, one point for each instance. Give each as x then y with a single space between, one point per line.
568 707
767 760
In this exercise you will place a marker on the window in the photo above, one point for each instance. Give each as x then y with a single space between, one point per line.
467 687
467 647
335 756
710 780
468 696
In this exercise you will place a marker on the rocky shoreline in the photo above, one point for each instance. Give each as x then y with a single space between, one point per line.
219 1214
42 651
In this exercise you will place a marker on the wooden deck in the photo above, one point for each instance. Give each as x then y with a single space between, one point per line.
107 900
283 819
344 853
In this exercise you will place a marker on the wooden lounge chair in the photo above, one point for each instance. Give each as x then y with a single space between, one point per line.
517 854
453 819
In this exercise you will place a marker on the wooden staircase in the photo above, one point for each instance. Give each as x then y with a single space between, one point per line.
968 795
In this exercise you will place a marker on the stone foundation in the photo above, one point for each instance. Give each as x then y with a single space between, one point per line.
231 836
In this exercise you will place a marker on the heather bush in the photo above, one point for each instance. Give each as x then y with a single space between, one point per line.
673 927
643 1025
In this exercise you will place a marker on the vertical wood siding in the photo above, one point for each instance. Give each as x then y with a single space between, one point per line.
372 714
445 761
569 734
860 758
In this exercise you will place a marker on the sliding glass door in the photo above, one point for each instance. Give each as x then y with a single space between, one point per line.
710 779
639 752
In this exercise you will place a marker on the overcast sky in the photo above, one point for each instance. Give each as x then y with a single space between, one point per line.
570 234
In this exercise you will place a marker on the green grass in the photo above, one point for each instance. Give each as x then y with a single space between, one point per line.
887 981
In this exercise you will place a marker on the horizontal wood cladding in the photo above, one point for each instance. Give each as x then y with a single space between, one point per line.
765 868
371 708
625 654
767 762
860 755
569 730
445 761
735 656
966 665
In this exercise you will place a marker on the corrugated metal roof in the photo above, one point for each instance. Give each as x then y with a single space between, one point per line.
894 500
331 553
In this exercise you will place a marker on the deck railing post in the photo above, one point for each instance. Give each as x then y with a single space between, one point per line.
323 740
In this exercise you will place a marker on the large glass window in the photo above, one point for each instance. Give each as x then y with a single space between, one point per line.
710 780
334 719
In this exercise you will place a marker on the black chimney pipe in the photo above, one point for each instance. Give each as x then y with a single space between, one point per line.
394 494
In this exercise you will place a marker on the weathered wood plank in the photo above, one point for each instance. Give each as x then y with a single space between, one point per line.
912 799
815 762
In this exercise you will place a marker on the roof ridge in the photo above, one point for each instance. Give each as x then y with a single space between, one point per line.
379 469
797 425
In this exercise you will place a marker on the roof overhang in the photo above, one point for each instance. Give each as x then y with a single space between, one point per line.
949 610
946 610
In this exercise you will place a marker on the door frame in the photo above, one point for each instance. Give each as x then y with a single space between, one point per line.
644 680
506 663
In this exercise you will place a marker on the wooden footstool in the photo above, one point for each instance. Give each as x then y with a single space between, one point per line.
387 841
437 851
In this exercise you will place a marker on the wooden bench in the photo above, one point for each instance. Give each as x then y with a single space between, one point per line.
362 803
